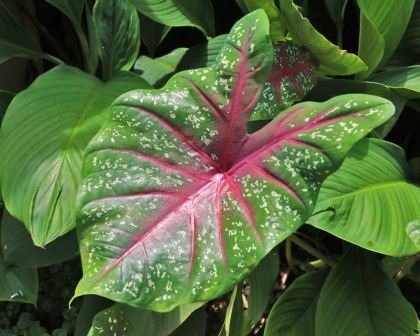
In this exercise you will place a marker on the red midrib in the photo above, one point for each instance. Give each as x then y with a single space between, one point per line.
235 108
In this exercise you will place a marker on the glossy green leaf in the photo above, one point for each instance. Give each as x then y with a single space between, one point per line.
372 200
332 60
327 88
379 35
277 24
128 321
157 71
408 50
73 9
18 248
15 40
153 33
359 299
405 81
294 312
43 136
118 31
178 13
178 202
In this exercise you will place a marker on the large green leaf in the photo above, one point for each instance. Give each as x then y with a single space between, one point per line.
178 202
128 321
178 13
42 139
333 60
371 199
18 248
73 9
359 299
405 80
91 306
118 31
294 312
382 25
194 325
15 40
153 33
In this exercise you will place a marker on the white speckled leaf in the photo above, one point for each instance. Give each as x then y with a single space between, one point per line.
291 77
178 202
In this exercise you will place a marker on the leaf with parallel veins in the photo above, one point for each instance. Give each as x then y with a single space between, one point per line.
178 202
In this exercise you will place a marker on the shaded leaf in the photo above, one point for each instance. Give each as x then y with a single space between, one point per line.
153 33
359 299
182 201
18 284
234 317
157 71
18 248
261 281
73 9
118 31
294 312
371 198
5 99
332 60
336 9
408 50
194 325
178 13
405 81
15 40
91 306
128 321
43 136
379 35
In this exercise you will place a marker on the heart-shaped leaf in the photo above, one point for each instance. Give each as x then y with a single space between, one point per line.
178 202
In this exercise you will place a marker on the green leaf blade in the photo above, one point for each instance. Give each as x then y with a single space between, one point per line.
358 298
118 30
60 112
372 201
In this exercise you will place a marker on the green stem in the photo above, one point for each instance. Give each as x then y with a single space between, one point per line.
406 267
85 48
312 251
52 59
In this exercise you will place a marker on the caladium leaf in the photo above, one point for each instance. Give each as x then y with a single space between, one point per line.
178 202
292 76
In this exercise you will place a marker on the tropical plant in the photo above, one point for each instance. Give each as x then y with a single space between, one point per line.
263 181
